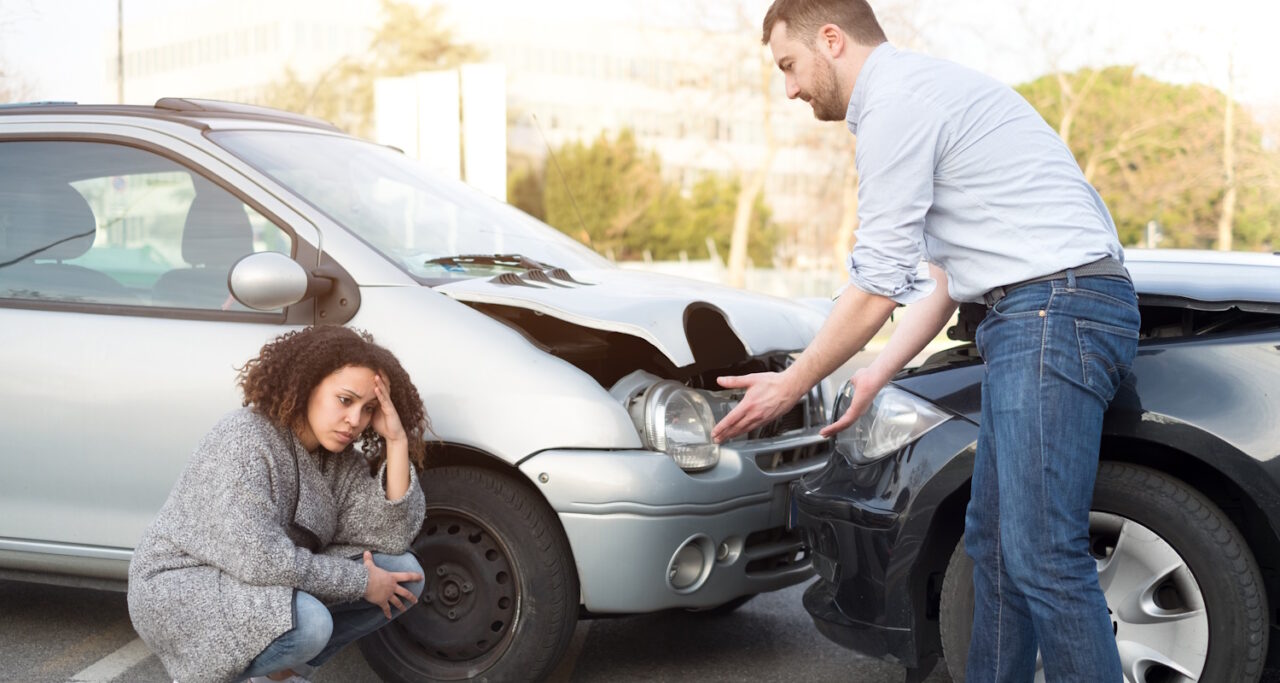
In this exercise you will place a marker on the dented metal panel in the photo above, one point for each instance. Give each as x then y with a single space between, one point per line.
652 307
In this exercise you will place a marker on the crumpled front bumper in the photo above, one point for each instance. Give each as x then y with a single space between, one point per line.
628 514
879 537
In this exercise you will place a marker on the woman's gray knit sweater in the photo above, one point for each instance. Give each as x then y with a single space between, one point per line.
211 582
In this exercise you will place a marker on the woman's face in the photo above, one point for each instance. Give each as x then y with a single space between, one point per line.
339 409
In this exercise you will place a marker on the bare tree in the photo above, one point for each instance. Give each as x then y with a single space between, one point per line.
908 24
1226 220
409 39
13 88
752 184
729 44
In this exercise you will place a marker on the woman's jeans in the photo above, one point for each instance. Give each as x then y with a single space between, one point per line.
1055 354
319 632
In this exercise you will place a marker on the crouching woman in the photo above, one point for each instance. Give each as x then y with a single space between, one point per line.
281 542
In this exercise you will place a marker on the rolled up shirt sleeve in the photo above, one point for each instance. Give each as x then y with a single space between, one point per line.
900 139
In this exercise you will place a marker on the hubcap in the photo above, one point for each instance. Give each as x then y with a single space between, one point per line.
1157 610
471 599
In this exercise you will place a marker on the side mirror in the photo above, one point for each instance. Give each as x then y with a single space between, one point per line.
268 280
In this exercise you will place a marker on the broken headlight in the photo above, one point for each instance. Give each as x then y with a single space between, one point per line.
894 419
677 421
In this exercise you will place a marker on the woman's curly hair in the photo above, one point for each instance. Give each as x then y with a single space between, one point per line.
279 382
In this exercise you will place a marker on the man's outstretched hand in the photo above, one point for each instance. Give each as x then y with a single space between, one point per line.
769 395
866 384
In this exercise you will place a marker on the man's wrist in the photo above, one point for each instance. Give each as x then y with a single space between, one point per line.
880 372
795 383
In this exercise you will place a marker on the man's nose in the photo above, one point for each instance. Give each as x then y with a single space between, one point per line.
792 88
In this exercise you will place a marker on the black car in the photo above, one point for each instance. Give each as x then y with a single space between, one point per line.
1186 512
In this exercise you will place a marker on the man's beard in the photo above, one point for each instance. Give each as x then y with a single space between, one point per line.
825 98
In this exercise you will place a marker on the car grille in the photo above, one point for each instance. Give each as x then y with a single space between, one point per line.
789 458
808 414
771 551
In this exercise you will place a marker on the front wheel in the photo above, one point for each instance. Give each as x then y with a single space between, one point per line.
501 596
1184 592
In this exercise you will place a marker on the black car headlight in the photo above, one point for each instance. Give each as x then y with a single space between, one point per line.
895 419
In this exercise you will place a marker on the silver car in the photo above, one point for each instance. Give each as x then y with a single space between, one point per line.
147 252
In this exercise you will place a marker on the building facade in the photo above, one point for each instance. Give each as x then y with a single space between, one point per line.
697 98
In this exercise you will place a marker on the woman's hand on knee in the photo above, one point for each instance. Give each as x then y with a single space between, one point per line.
384 589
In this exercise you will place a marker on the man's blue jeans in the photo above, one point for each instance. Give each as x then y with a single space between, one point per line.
319 632
1055 354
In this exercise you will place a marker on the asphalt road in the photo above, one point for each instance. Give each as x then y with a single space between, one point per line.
51 634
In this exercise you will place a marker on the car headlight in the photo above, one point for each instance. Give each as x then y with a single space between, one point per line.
678 422
895 419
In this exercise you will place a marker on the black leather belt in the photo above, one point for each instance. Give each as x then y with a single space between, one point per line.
1103 266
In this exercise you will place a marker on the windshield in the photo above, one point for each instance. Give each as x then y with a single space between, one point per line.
434 228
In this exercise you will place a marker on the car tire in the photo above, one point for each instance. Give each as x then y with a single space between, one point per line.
1178 523
501 599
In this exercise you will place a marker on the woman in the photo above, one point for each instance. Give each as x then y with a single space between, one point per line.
281 543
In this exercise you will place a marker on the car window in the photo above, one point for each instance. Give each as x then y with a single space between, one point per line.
100 223
418 220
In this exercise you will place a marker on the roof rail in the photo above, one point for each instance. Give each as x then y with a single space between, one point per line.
42 103
184 110
196 105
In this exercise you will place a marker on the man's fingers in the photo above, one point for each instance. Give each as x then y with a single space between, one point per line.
736 381
729 427
838 426
386 609
394 601
405 577
368 559
855 410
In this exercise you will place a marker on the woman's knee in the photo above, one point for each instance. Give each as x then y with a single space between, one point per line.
405 562
313 623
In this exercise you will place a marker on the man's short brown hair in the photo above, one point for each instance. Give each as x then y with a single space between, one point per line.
804 17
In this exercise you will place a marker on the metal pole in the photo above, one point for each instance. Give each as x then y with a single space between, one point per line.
120 51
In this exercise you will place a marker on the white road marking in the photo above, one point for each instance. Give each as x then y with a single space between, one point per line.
114 664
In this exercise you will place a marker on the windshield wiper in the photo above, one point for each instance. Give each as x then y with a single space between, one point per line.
534 271
506 260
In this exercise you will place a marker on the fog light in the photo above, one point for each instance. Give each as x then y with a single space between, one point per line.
691 564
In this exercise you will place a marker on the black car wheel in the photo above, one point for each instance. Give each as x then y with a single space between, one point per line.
1184 592
501 599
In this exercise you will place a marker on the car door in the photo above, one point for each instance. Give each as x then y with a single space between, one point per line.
119 342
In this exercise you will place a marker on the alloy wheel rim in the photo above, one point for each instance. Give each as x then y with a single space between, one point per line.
1157 608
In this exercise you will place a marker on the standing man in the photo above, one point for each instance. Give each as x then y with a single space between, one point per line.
958 170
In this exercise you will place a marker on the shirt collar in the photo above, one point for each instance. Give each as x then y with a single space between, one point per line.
860 86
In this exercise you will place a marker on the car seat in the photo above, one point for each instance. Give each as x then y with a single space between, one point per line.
216 234
40 229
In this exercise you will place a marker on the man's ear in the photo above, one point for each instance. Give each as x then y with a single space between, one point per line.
831 40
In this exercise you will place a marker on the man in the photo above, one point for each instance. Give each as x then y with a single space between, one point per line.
958 170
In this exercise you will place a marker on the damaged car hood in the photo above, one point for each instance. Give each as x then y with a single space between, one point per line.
650 306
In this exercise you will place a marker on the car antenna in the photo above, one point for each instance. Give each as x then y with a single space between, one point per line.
581 223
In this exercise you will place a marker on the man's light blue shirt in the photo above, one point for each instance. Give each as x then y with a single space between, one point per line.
957 169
